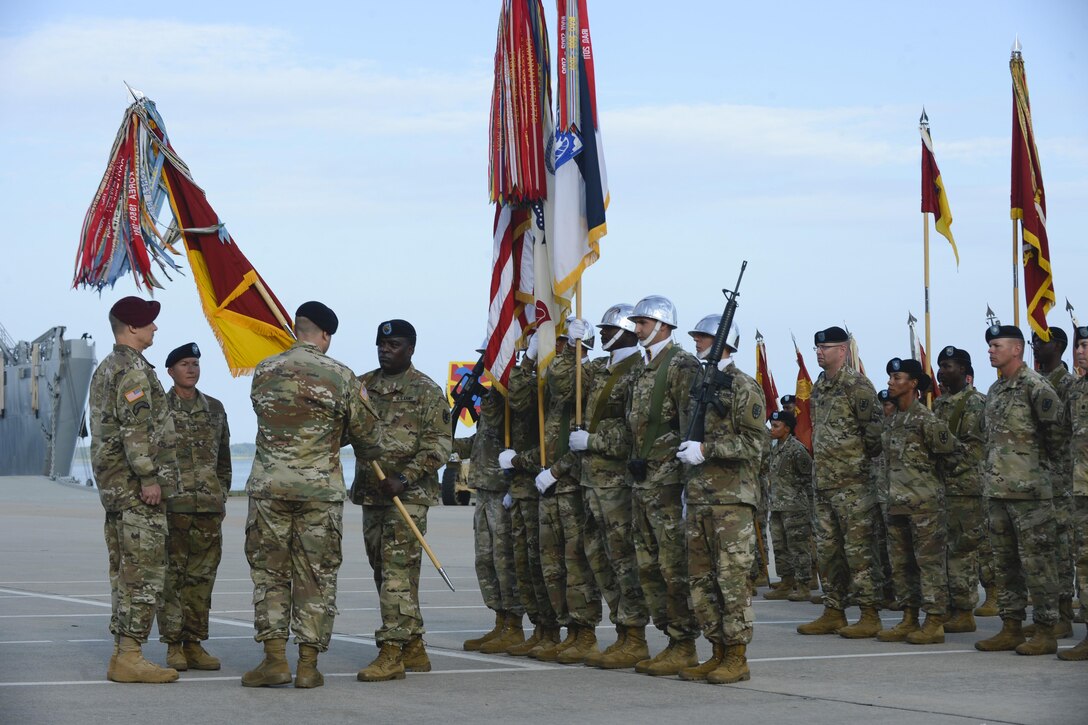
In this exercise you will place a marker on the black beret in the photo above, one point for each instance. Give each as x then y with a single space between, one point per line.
884 396
788 399
189 349
1056 334
320 315
954 353
831 336
135 311
996 332
783 416
1081 333
396 328
911 367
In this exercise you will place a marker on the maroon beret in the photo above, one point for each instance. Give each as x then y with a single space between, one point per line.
135 311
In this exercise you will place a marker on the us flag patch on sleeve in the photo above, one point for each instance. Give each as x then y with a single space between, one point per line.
362 392
133 395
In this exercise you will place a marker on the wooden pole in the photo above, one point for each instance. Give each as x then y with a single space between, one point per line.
577 360
929 338
506 419
272 305
540 418
1015 275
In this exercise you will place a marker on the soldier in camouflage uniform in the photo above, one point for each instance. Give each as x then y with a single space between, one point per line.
914 443
605 448
791 501
879 468
415 418
194 514
721 486
308 405
132 456
845 438
1077 412
960 406
1024 435
657 410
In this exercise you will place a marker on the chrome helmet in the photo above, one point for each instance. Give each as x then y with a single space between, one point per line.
656 307
709 326
618 316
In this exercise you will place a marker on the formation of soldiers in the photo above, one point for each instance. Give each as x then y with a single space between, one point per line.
896 507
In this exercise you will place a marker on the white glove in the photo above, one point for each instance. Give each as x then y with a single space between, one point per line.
534 347
691 453
577 329
506 459
507 501
579 440
544 481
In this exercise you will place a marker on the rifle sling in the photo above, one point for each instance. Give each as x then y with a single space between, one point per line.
657 402
602 400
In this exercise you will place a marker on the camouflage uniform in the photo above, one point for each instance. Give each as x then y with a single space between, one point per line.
762 516
1062 380
722 494
1077 407
845 437
879 468
607 492
656 499
791 501
194 516
307 405
967 528
415 420
1023 424
132 445
913 441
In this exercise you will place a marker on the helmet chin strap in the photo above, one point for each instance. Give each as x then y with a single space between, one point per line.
607 344
702 355
650 338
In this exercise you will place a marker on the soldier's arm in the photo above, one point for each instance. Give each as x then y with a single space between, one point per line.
435 443
223 468
365 431
972 437
522 387
463 446
747 442
528 460
802 464
680 379
612 438
133 408
1048 410
867 412
939 439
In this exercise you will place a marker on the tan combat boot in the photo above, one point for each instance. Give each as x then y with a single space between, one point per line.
988 608
1078 653
817 597
899 632
197 658
175 656
414 656
584 644
932 632
113 657
512 633
473 645
1042 642
1064 627
306 674
131 666
866 627
962 620
800 593
593 659
273 670
699 672
679 656
549 638
782 591
550 654
522 649
831 621
388 665
632 651
1009 638
761 581
734 667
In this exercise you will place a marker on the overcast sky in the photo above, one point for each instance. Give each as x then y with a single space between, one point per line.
345 147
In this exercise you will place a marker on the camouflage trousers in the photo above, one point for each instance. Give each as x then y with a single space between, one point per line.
1080 527
916 547
791 533
194 548
986 575
571 587
612 555
294 553
525 529
661 553
846 519
136 544
760 562
395 555
1023 536
966 530
495 554
885 584
721 543
1065 544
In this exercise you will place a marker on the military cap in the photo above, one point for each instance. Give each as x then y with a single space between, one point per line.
320 315
396 328
135 311
884 396
831 336
785 417
189 349
954 353
787 399
997 332
1081 333
1057 334
912 368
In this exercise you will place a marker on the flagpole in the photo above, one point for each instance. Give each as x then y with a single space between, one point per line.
929 340
506 419
1015 276
540 420
577 359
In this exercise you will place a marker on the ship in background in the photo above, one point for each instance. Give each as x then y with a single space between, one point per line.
43 398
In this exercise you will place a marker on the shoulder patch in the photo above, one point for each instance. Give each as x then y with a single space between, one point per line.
133 395
1047 403
863 404
363 394
757 410
446 416
944 437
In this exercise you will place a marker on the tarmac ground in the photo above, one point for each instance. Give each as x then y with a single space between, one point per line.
55 644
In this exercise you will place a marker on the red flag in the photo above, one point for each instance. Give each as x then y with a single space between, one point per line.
934 197
803 409
764 377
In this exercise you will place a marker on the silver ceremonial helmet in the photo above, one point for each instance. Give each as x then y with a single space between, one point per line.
616 316
659 309
709 326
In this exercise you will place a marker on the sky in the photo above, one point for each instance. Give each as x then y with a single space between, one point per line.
345 147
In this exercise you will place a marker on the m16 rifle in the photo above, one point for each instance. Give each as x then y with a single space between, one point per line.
468 389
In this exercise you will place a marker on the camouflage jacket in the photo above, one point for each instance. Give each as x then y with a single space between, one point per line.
604 463
132 433
662 466
962 413
732 445
1077 406
1062 380
308 406
524 430
416 438
558 417
483 446
846 428
203 449
1023 424
791 476
913 443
